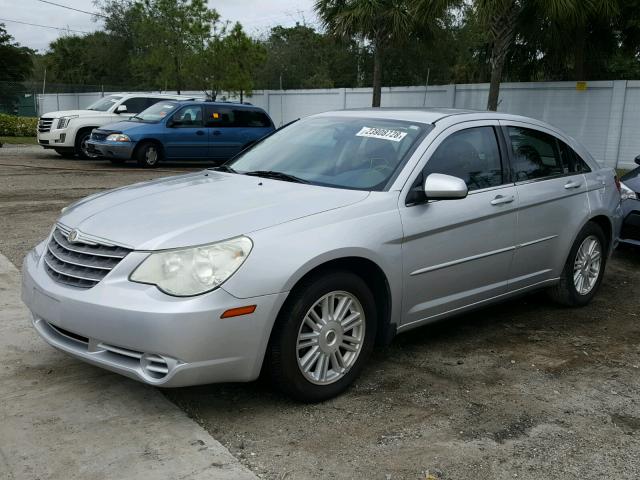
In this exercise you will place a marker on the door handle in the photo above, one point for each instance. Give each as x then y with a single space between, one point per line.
217 132
199 132
572 184
500 200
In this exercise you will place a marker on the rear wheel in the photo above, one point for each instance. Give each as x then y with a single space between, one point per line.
584 269
82 147
323 336
148 155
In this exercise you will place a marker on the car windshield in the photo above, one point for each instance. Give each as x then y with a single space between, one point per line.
344 152
156 112
104 104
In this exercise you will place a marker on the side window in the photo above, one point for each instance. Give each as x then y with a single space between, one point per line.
220 117
472 155
535 154
189 116
571 161
136 104
251 118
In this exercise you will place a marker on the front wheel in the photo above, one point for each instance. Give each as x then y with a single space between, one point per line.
148 155
584 269
323 336
82 146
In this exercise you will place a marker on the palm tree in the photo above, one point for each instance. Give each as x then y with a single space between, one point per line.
380 22
503 18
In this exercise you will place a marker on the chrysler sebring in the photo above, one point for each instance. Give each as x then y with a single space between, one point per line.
320 242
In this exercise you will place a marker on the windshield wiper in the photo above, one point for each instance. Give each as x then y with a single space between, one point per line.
276 176
223 168
139 118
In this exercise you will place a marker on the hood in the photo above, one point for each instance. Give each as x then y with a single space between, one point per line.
80 113
124 127
199 208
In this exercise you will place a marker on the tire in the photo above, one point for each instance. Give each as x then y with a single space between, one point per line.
148 155
81 145
325 343
65 153
567 292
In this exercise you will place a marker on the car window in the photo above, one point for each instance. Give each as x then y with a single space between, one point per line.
535 154
136 104
153 101
156 112
104 104
472 155
251 118
571 161
345 152
220 116
189 116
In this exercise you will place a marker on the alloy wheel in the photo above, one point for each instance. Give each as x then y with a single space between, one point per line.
586 268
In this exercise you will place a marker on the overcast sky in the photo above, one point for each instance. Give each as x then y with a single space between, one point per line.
256 16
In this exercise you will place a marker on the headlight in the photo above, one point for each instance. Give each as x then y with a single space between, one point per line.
626 193
118 137
193 271
64 121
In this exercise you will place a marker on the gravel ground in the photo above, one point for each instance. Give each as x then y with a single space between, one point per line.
520 390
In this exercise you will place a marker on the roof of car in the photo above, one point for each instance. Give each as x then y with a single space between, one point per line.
221 104
425 115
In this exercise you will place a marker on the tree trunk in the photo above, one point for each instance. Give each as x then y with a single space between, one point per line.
176 62
241 96
377 76
579 71
503 27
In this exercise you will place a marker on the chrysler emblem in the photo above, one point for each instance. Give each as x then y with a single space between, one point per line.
73 236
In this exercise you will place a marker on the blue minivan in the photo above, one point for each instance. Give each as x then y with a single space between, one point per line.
192 130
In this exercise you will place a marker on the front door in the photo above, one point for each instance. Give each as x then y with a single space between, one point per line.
458 253
186 136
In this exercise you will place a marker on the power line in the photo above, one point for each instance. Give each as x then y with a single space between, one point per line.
42 26
71 8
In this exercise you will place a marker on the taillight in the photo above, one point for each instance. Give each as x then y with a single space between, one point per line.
617 180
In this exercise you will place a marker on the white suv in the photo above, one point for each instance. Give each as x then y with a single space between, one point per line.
67 132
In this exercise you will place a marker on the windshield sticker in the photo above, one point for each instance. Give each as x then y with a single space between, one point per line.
382 133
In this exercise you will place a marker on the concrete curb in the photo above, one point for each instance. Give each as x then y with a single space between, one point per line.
63 419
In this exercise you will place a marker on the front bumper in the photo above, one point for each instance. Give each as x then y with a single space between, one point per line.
118 150
55 138
138 331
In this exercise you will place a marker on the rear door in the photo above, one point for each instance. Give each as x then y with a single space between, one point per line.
552 202
458 252
186 136
224 138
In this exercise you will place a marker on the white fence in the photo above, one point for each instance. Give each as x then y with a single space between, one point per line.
605 117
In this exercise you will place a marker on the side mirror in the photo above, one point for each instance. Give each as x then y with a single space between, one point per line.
637 160
172 123
121 109
439 186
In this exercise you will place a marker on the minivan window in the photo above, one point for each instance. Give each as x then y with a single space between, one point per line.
105 103
472 155
535 154
344 152
156 112
251 118
189 116
219 116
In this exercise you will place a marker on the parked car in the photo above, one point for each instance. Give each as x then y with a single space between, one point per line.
182 130
630 184
67 132
322 240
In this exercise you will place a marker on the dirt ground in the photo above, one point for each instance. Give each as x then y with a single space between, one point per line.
524 389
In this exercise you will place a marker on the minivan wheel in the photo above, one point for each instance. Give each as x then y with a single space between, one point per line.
323 336
584 269
148 155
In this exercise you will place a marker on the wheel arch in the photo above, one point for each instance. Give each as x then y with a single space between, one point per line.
144 141
375 278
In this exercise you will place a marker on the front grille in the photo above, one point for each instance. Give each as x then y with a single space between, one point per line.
100 137
44 125
80 264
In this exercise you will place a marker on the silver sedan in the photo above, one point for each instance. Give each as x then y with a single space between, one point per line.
323 240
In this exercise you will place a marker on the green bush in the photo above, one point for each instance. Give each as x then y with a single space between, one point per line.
12 126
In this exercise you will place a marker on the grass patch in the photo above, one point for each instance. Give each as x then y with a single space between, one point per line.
18 140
